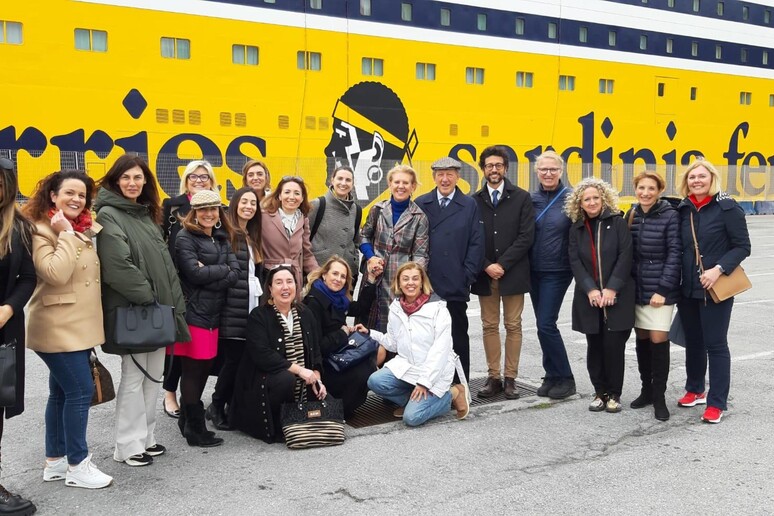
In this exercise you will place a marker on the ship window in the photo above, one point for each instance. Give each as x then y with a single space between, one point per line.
481 22
365 7
315 4
670 3
765 57
743 55
767 16
426 71
721 8
244 54
745 13
745 98
94 40
309 60
606 86
567 82
660 89
670 43
693 92
718 52
696 6
474 75
445 17
643 42
269 1
771 100
176 48
583 35
694 48
372 66
405 11
552 32
520 22
523 79
10 32
611 38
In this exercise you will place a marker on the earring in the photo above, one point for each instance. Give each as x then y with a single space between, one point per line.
218 225
196 221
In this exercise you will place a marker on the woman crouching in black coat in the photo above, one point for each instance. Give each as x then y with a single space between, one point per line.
327 296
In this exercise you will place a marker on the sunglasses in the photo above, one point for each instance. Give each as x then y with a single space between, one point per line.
297 179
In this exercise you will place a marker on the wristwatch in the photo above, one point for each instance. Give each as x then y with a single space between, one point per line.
722 270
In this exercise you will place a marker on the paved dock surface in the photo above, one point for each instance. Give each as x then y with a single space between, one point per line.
517 457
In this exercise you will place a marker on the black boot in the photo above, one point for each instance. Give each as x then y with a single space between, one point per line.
660 354
195 430
216 413
181 420
646 374
14 504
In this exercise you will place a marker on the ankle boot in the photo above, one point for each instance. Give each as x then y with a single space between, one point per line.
660 355
11 504
216 414
181 420
195 430
646 374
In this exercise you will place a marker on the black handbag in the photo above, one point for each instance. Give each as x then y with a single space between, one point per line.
359 347
104 390
8 374
145 327
312 424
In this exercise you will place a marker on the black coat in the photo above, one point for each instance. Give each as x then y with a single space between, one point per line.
615 251
721 230
265 354
233 318
205 287
509 231
19 285
329 320
174 211
552 231
656 252
456 244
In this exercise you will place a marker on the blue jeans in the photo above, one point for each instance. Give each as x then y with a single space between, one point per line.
71 387
706 339
547 294
384 383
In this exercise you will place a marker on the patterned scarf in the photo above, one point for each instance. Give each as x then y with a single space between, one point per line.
290 221
81 224
415 305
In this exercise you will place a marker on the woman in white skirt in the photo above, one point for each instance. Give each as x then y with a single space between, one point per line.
656 271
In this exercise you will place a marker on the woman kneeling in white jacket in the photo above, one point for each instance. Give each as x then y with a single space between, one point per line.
419 378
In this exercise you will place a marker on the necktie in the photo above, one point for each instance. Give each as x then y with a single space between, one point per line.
444 202
495 198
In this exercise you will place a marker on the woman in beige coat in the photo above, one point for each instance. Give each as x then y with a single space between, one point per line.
65 315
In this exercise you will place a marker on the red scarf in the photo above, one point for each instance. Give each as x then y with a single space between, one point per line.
414 306
593 250
80 224
700 204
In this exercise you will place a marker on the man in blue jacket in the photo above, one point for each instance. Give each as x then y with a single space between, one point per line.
456 248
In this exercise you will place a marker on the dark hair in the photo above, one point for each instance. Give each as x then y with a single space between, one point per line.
495 150
250 164
272 202
253 234
342 167
10 217
270 278
150 191
40 203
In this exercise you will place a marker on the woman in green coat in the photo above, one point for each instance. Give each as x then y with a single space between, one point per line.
136 269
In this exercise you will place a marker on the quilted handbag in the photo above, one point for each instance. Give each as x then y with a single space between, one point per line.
358 348
145 327
8 374
313 424
103 381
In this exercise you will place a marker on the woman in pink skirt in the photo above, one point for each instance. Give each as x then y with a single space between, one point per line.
207 267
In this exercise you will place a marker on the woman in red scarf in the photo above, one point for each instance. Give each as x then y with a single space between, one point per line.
419 378
66 315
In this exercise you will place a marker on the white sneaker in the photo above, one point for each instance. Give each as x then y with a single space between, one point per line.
87 475
55 470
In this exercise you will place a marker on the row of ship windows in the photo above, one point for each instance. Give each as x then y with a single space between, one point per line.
720 9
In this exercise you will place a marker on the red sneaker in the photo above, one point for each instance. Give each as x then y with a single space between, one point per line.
712 415
691 399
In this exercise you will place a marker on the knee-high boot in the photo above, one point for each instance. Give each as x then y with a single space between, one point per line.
644 364
660 354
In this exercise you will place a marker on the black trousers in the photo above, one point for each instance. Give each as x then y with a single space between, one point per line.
280 388
460 338
350 386
605 360
231 350
172 380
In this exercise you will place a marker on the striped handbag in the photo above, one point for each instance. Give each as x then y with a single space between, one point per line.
312 424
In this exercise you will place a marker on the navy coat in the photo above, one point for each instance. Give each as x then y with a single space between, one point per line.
721 230
657 252
456 244
509 231
552 231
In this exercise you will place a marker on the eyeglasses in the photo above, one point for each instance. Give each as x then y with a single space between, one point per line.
549 171
195 177
494 166
296 179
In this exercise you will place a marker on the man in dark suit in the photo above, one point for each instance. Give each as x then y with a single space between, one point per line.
509 228
456 248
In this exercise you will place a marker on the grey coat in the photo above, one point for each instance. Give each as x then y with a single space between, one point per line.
336 233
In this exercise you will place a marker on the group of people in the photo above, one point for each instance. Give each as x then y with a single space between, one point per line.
266 287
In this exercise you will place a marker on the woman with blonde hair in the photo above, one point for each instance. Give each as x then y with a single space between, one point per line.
600 251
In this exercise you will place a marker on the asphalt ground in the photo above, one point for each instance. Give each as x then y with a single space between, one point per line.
525 457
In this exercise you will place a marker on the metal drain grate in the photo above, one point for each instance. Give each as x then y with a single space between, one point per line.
376 411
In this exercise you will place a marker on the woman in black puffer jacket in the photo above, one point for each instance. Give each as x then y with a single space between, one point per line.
207 267
656 271
244 215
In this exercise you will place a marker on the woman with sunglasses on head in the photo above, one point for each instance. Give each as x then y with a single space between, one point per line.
18 279
282 360
197 176
255 174
285 229
65 332
244 215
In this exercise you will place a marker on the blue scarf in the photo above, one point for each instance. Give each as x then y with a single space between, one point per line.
338 299
398 208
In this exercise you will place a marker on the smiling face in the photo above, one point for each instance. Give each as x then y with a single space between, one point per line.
207 218
283 289
71 198
402 186
647 193
494 170
255 178
342 183
549 171
446 180
291 196
198 180
247 207
336 277
131 183
410 283
699 182
591 202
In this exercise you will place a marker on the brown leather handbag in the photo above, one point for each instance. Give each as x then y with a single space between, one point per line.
103 381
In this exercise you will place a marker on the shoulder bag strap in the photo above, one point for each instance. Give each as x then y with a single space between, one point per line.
318 218
550 204
631 216
699 263
358 220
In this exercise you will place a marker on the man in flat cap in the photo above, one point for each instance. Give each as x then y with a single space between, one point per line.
456 248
